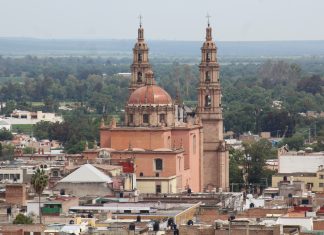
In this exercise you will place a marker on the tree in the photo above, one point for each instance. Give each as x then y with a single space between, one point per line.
22 219
256 155
5 135
236 158
39 182
311 84
29 150
295 142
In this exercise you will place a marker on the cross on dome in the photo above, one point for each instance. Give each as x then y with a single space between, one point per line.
208 17
140 17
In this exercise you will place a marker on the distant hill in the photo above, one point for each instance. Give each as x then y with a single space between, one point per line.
64 47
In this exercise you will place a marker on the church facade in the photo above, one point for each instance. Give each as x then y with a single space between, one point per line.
172 150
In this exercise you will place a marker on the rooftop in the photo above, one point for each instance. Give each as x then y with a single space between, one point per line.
87 173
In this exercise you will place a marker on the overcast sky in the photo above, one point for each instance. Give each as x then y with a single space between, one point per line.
232 20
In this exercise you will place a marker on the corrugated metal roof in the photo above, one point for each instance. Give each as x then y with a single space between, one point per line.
87 173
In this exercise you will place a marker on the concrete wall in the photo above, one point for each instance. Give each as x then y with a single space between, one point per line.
148 186
84 189
8 175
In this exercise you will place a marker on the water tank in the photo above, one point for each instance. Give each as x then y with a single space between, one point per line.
131 227
156 226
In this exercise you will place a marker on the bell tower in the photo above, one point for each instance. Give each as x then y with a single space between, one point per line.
140 63
215 163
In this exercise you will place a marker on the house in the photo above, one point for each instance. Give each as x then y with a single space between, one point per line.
86 180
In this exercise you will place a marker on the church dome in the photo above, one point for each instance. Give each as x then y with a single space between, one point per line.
150 94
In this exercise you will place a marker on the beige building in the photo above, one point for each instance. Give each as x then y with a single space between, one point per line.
313 181
26 117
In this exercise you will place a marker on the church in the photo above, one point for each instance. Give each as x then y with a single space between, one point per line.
172 150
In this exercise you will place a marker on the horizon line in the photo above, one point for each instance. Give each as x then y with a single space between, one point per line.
163 40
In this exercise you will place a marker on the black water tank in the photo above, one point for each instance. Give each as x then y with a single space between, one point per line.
170 222
156 226
131 227
190 222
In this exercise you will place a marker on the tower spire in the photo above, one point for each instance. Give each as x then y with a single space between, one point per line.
208 17
208 29
140 17
140 36
140 63
209 110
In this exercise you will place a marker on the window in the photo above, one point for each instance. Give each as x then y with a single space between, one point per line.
157 175
158 188
179 164
162 118
139 57
145 118
207 56
130 118
321 185
169 142
207 101
158 164
139 77
141 174
321 176
207 76
194 144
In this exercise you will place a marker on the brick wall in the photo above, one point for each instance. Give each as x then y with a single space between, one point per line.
16 194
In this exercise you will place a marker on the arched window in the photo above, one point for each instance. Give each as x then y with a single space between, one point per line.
207 56
194 144
207 76
207 101
162 118
158 164
131 118
139 77
139 57
145 118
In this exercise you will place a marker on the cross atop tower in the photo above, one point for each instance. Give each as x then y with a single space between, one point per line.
140 17
208 17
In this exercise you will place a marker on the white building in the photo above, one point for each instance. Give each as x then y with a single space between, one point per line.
306 223
26 117
5 125
11 175
300 161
